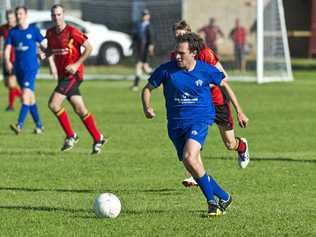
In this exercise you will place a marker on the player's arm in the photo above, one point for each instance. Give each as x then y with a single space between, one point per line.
72 68
146 100
7 53
242 118
45 53
220 67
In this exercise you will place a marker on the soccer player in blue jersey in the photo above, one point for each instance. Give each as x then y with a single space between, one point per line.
24 39
190 111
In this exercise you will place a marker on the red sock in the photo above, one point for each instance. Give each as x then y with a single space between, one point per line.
89 122
18 92
65 122
13 93
11 97
242 146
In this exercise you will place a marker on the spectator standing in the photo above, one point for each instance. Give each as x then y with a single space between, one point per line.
211 34
143 46
238 34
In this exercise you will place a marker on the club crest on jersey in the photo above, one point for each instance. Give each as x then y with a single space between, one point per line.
28 36
194 132
199 82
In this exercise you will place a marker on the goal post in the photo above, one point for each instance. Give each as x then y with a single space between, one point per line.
273 56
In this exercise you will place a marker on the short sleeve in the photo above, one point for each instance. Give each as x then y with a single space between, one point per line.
38 36
215 75
9 39
157 77
78 36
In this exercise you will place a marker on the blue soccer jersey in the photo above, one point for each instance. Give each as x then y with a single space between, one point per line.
187 93
24 42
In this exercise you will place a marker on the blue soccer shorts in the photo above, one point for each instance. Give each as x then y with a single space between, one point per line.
26 79
180 134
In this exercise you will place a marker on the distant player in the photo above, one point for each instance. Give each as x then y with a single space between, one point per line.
24 38
221 100
190 112
64 43
9 78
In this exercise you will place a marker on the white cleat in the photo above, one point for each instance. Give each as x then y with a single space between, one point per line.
189 182
243 158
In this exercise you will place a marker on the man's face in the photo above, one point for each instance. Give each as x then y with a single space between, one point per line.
180 32
21 16
184 57
58 16
11 19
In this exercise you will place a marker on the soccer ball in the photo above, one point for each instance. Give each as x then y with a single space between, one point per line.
107 205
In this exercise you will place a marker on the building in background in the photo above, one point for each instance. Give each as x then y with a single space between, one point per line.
120 14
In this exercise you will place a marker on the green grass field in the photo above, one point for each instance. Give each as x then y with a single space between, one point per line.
44 192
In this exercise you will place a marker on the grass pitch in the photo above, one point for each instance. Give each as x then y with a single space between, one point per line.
44 192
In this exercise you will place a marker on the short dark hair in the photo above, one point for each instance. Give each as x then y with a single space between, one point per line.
9 12
194 40
182 25
20 7
56 6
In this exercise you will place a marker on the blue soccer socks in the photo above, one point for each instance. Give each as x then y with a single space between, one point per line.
206 187
218 190
22 116
35 115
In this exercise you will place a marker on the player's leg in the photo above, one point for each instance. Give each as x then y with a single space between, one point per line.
13 91
89 122
27 99
138 73
235 144
55 104
225 124
195 166
192 160
29 79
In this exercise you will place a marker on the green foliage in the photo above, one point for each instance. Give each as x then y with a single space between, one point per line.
48 193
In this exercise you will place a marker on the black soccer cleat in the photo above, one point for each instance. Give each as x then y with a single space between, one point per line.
214 210
70 143
15 128
224 205
97 146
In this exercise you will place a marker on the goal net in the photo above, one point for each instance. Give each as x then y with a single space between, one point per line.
265 53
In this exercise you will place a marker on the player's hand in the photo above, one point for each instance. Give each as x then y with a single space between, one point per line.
242 119
149 113
72 68
42 55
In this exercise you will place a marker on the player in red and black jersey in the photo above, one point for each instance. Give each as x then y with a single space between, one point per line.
9 78
64 43
224 119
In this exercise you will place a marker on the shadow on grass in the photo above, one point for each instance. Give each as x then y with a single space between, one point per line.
45 209
267 159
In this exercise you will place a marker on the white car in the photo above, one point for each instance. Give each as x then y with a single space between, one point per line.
109 47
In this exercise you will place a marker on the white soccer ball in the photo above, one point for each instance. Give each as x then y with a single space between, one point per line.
107 205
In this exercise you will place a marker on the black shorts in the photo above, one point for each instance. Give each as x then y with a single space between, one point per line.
68 87
224 117
142 53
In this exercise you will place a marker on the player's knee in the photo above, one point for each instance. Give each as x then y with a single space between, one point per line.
53 106
189 158
81 111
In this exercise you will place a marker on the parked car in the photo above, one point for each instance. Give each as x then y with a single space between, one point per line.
109 47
